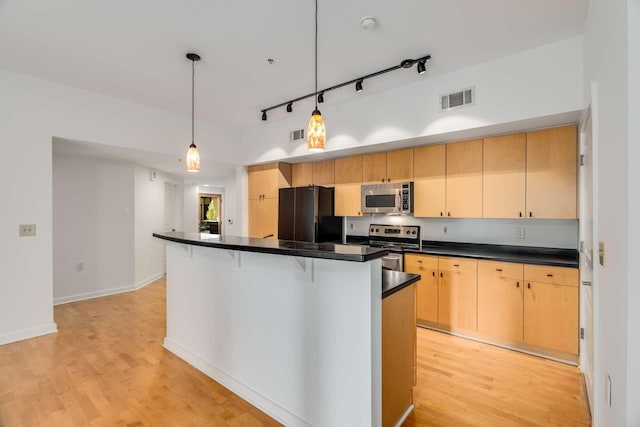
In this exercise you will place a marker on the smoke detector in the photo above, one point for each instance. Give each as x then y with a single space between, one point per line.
368 23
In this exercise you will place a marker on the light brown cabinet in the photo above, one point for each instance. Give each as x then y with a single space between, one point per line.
429 168
464 179
398 354
551 307
426 287
324 173
347 200
264 184
348 170
447 291
503 180
390 166
551 173
301 174
500 301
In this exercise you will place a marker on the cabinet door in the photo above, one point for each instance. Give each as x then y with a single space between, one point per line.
374 167
500 308
255 222
324 173
551 316
269 213
503 181
400 165
464 179
348 170
429 168
347 200
551 173
256 181
301 174
458 293
427 286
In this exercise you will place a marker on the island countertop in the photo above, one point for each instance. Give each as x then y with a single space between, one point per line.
279 247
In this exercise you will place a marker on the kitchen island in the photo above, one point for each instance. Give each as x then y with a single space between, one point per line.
294 328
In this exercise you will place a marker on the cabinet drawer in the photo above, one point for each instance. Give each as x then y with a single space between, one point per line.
458 265
547 274
415 262
500 269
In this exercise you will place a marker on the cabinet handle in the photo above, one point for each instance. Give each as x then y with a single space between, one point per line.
549 275
517 284
530 214
433 273
528 285
440 274
382 180
441 214
456 265
420 261
499 269
388 179
358 213
585 283
520 214
448 213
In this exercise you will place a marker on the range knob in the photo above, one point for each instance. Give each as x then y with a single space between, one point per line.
377 230
408 232
414 232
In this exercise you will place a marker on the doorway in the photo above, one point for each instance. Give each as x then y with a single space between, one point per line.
210 213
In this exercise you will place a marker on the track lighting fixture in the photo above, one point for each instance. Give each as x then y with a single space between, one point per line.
421 67
193 158
289 107
319 94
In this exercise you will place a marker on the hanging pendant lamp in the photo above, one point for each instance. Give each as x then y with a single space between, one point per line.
193 158
316 133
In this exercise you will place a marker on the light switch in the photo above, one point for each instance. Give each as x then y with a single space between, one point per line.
26 230
519 232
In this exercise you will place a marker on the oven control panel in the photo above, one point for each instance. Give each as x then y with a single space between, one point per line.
395 232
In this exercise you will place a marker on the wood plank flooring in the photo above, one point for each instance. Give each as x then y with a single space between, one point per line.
106 367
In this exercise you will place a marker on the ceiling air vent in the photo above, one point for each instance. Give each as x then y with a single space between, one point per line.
296 135
457 99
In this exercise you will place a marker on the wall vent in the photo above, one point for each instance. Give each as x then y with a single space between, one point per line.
296 135
457 99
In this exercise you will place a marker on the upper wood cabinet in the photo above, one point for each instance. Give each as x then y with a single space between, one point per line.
464 179
390 166
347 200
301 174
266 180
551 173
429 169
324 173
374 167
348 170
503 181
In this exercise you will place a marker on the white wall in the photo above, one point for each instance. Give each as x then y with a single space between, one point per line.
32 111
93 223
536 83
149 218
540 233
608 41
633 297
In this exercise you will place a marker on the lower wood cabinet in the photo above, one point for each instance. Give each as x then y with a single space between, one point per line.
398 354
531 307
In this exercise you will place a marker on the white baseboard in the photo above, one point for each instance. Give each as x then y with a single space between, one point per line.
405 415
24 334
256 399
106 292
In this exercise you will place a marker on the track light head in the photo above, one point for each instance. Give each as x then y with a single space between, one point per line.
421 67
264 115
321 97
359 86
289 107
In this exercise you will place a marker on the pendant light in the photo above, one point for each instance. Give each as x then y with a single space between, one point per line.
316 133
193 158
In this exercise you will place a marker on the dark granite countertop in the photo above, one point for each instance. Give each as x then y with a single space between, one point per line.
507 253
280 247
393 281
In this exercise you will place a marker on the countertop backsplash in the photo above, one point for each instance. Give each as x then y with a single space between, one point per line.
552 233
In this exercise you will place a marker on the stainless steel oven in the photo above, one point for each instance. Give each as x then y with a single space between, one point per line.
396 239
392 198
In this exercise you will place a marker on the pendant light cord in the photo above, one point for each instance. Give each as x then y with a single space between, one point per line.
316 94
193 78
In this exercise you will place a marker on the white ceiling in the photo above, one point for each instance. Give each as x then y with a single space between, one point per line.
136 49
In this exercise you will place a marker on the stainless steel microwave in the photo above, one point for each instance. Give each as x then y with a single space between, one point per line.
392 198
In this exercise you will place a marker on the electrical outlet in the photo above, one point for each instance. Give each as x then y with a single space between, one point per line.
444 230
519 232
26 230
351 225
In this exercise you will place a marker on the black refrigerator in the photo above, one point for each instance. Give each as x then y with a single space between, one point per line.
306 214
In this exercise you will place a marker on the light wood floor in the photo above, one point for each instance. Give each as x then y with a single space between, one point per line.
106 367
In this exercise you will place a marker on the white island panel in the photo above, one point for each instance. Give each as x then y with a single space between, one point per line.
299 338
